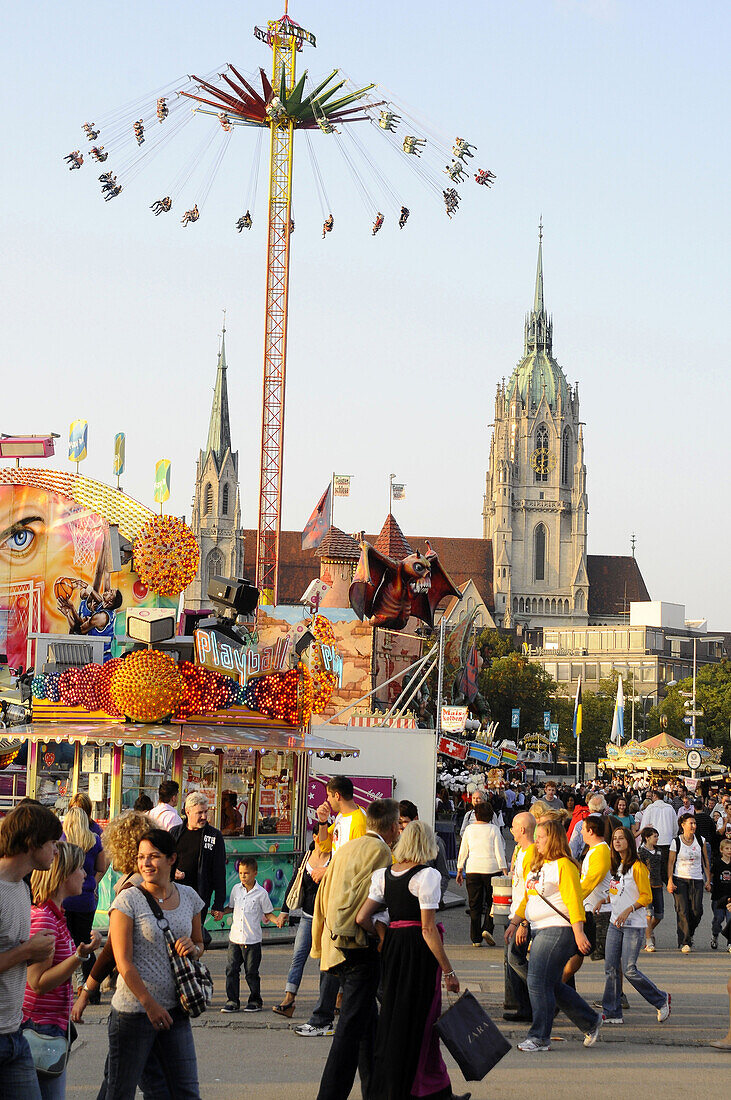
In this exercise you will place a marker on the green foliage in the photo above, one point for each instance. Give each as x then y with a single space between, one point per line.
491 644
514 681
713 697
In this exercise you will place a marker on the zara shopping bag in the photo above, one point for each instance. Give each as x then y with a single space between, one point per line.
471 1037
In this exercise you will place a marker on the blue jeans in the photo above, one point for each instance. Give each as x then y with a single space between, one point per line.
249 957
720 915
300 954
620 957
17 1073
516 974
324 1011
132 1038
550 950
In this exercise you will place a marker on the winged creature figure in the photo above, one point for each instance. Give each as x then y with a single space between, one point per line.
386 593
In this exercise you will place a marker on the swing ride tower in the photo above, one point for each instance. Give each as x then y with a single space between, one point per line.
282 107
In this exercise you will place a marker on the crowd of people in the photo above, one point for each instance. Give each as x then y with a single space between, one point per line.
589 869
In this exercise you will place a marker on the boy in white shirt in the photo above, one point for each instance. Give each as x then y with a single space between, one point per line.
250 905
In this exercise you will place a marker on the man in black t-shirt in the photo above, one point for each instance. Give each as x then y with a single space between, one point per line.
201 859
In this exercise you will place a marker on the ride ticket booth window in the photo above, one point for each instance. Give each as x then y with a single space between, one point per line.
143 769
276 793
238 792
94 778
201 773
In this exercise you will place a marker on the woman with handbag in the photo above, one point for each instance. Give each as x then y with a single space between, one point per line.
48 994
301 894
80 910
553 909
407 1061
146 1013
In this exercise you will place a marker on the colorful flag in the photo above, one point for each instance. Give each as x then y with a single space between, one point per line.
162 480
510 756
341 485
618 720
577 710
488 754
456 749
78 439
468 683
318 524
515 718
398 491
119 453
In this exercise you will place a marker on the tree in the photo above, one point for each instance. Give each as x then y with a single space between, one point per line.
713 697
513 681
492 643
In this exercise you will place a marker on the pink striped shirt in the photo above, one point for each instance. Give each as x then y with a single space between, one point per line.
53 1007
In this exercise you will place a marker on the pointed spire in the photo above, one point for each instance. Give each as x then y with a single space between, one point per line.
219 428
538 296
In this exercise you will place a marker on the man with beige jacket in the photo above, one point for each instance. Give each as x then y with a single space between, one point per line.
344 948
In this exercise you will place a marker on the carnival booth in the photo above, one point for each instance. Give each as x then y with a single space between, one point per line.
662 756
218 711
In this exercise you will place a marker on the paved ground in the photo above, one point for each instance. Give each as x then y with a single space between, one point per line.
247 1058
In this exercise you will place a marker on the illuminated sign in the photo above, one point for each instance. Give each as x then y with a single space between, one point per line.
332 661
219 653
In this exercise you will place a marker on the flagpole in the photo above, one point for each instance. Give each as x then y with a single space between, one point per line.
332 500
440 678
390 493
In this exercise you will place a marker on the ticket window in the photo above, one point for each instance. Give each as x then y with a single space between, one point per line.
276 793
238 792
95 779
144 767
201 773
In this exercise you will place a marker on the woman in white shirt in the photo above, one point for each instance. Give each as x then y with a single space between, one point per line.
687 862
629 895
481 857
407 1060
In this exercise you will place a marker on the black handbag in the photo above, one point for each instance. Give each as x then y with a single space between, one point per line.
471 1037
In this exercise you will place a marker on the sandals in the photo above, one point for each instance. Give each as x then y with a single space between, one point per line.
284 1010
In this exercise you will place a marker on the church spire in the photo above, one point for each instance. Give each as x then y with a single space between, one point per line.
538 325
219 429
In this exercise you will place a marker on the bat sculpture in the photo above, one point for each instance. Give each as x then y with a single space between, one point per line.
386 593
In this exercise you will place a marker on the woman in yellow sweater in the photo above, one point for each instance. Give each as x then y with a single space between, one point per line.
629 895
554 910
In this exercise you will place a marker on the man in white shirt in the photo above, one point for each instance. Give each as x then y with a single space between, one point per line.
469 817
661 816
516 989
164 815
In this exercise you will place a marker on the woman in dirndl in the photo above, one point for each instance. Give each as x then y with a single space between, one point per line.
407 1061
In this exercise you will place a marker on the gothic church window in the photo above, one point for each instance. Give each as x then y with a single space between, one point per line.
565 456
224 503
541 463
214 566
208 500
539 552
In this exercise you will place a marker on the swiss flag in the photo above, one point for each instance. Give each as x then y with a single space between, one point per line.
455 749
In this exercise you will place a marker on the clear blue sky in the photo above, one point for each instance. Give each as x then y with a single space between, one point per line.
609 117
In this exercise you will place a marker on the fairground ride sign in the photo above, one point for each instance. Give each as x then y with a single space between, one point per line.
218 653
454 719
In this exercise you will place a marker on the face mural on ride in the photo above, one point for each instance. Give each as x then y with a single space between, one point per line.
55 572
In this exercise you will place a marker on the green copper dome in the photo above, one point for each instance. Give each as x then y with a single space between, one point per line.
538 372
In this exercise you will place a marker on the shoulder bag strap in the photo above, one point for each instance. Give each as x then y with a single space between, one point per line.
161 919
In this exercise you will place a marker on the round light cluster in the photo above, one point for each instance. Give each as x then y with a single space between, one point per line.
38 687
205 691
166 555
284 695
87 687
53 687
69 687
7 757
147 686
324 681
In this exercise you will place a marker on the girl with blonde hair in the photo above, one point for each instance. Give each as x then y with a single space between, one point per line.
407 1060
48 994
80 909
553 910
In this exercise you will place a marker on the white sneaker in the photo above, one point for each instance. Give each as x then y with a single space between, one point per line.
530 1046
613 1020
591 1036
664 1012
307 1031
649 946
685 949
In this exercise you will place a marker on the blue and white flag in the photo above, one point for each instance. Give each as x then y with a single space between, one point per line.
618 720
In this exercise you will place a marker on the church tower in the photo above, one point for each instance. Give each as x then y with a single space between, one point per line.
216 505
535 496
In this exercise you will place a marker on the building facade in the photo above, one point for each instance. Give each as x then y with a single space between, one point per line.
216 519
535 505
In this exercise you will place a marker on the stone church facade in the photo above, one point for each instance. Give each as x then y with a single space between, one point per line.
535 504
216 519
